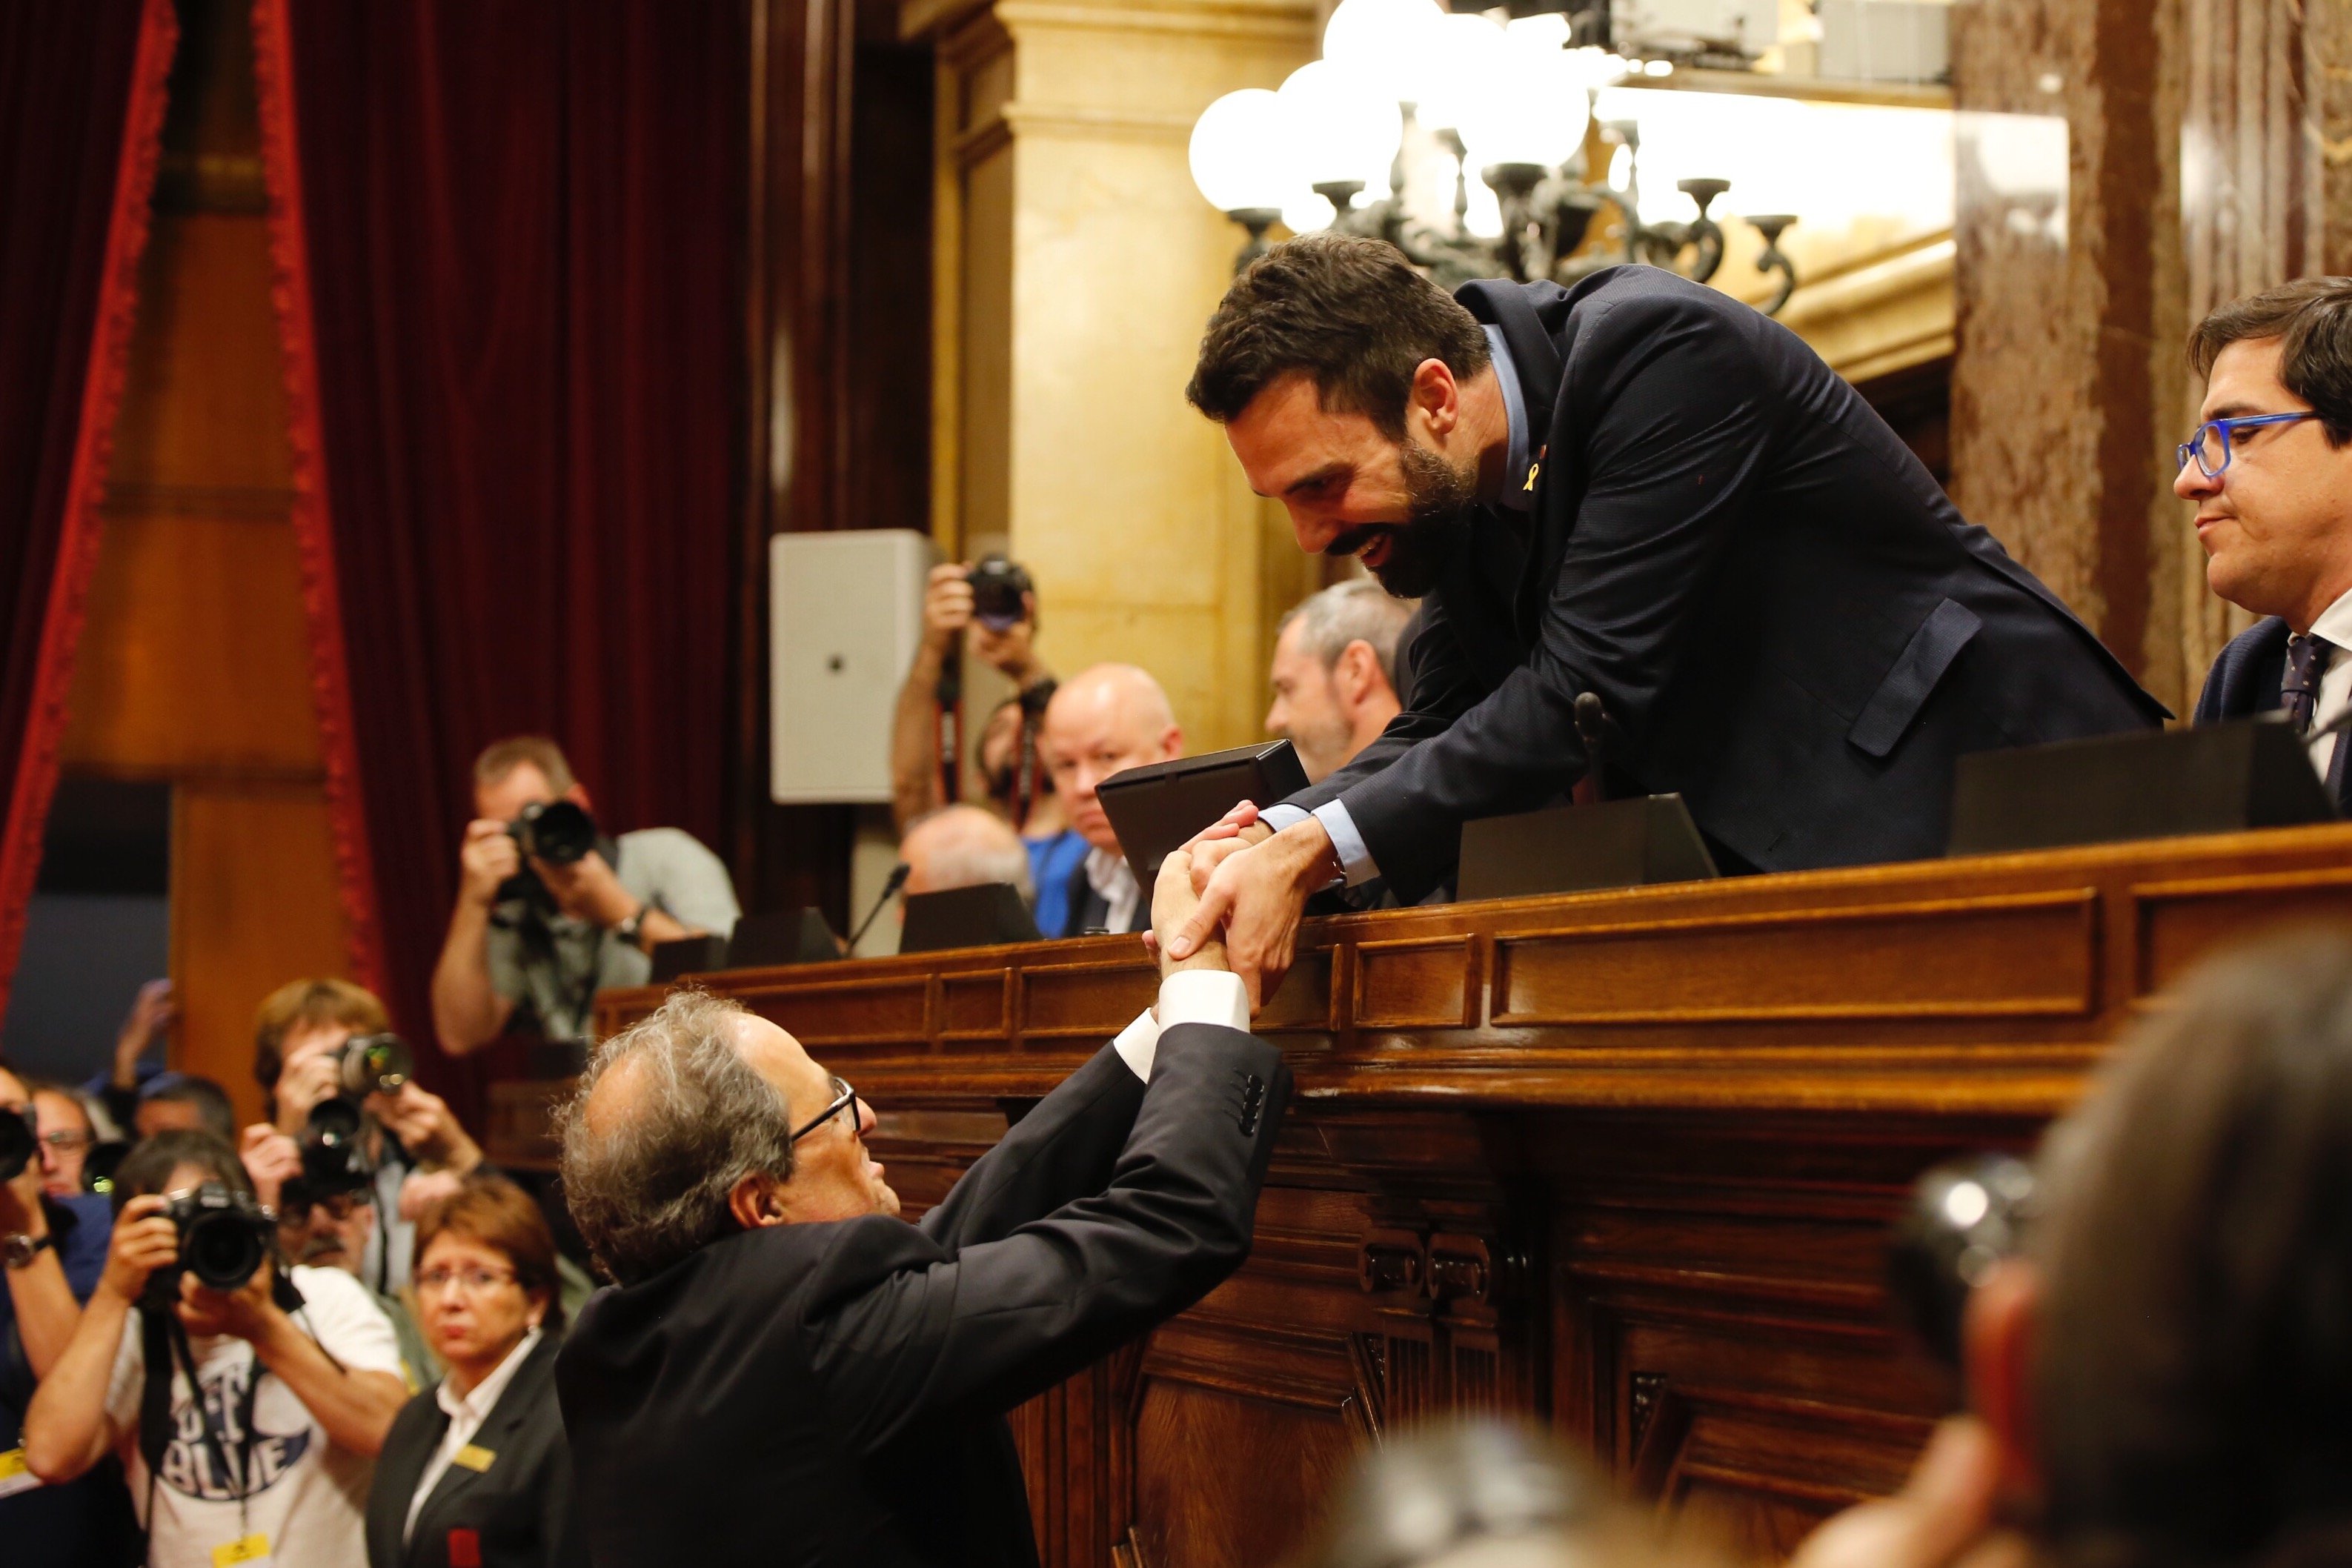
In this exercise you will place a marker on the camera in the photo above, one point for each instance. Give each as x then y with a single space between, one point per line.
999 592
225 1236
375 1064
560 832
334 1150
98 1166
20 1140
1964 1217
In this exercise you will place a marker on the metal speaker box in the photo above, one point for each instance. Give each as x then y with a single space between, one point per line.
1160 806
1625 843
989 915
2153 784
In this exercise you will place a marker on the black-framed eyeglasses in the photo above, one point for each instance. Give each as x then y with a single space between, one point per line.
844 1099
2212 445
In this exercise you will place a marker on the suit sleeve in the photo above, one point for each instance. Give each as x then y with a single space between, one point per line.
898 1331
1679 427
1064 1149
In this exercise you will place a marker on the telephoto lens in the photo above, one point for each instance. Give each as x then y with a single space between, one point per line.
375 1063
334 1149
560 832
224 1235
19 1139
1964 1217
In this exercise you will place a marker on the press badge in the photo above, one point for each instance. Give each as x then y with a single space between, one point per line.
16 1476
477 1461
254 1548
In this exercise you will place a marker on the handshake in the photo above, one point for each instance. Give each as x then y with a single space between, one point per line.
1231 897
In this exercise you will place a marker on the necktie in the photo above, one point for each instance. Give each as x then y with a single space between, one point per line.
2306 661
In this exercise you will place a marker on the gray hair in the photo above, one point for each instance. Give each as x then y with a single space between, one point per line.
966 847
1357 610
649 1188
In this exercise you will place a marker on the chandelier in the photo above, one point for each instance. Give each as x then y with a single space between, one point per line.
1468 143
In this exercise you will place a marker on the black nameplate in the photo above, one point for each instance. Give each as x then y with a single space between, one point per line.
790 936
1626 843
987 916
1161 807
688 955
2159 783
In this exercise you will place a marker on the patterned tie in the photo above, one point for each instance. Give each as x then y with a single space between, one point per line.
2306 661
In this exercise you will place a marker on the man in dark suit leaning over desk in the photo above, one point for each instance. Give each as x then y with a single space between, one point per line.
1638 488
788 1374
2270 472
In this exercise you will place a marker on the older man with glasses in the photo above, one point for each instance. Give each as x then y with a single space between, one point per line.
788 1372
2269 470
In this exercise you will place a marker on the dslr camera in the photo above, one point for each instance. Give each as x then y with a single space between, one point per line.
561 832
20 1140
225 1237
999 588
333 1141
1964 1217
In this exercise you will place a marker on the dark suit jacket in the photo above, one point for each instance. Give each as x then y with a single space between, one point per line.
2245 681
836 1394
1779 605
519 1510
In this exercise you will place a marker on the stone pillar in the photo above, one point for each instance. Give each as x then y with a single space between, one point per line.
1076 267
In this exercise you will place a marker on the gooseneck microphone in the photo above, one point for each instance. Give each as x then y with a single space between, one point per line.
890 890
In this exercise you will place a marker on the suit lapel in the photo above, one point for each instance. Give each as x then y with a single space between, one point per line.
1511 308
497 1433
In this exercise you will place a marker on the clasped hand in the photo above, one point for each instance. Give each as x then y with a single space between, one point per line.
1250 885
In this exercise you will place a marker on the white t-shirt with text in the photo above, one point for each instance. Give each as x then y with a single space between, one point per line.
306 1497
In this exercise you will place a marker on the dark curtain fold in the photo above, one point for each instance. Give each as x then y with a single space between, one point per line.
524 229
81 99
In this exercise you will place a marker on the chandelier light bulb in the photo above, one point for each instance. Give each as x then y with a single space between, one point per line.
1392 41
1240 152
1467 57
1533 110
1343 125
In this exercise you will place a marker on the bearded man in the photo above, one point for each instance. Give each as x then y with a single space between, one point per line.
1642 488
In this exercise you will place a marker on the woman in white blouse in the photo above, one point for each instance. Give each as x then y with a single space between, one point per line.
475 1473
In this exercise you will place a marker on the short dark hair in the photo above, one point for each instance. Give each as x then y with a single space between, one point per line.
211 1101
502 757
322 1002
2194 1355
1351 312
2312 318
152 1161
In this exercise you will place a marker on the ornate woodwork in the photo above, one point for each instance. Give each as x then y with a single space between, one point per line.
1620 1160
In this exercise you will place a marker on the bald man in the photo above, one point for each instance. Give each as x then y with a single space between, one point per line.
1103 720
964 846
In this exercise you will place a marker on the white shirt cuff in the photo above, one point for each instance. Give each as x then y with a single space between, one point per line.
1279 817
1187 996
1355 859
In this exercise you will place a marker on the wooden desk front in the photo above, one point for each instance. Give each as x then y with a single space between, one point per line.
1622 1160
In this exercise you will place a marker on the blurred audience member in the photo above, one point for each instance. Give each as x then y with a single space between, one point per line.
1334 673
2161 1379
1002 772
68 1132
152 1013
1101 721
964 846
183 1102
264 1453
298 1039
52 1247
531 941
476 1468
331 1231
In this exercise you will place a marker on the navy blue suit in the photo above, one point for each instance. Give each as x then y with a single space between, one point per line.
1789 619
2245 681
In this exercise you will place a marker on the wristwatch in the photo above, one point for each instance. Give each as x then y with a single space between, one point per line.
18 1251
632 929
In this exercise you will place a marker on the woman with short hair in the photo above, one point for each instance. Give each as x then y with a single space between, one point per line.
475 1473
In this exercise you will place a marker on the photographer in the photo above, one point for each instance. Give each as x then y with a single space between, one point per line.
551 912
382 1142
52 1249
990 611
256 1435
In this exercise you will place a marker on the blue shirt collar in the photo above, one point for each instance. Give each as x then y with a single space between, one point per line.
1515 495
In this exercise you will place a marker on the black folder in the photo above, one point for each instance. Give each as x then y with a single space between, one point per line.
1161 807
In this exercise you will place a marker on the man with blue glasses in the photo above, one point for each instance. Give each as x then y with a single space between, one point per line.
2270 472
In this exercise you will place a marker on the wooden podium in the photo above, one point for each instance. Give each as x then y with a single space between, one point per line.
1623 1161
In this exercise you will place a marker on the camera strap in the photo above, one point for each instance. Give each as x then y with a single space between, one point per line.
1024 767
947 728
164 1340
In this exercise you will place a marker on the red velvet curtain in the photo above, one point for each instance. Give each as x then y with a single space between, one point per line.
509 237
81 111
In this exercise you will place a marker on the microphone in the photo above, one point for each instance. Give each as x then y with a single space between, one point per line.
1593 728
899 874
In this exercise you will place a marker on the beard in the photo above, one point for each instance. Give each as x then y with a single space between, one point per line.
1438 498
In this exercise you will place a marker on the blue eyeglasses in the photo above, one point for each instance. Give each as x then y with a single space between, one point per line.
2220 433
